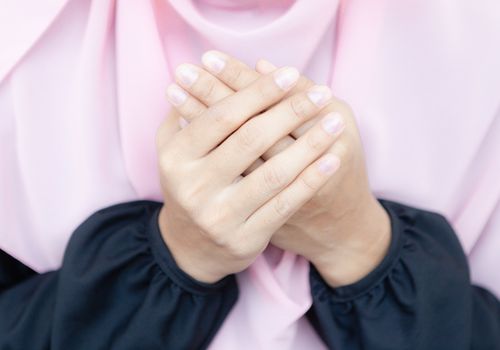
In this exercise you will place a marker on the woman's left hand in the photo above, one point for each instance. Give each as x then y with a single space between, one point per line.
344 231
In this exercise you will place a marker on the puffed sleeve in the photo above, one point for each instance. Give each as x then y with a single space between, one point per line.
419 297
118 288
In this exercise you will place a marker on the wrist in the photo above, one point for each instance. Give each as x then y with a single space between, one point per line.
364 242
186 253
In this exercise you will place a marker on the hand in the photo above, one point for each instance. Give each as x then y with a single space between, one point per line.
214 221
343 229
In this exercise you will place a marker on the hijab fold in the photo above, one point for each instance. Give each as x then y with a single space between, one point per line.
82 86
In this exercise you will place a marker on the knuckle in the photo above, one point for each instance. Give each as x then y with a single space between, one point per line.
207 90
309 181
221 116
221 238
265 91
217 224
189 204
315 141
237 250
274 177
189 198
248 137
300 107
222 216
217 238
218 217
282 206
192 192
233 74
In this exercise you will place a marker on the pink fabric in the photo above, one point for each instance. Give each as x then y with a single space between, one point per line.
82 93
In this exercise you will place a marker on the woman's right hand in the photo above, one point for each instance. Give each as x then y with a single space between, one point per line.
214 221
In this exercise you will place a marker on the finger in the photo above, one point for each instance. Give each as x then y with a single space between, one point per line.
278 147
234 73
264 67
186 105
201 84
272 215
254 166
302 129
278 172
223 118
190 108
167 129
335 105
259 134
237 75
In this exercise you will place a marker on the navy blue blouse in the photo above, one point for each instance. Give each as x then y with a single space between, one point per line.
120 288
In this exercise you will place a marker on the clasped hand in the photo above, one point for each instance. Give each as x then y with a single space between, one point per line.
248 157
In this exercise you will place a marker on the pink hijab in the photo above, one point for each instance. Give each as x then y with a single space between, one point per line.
82 88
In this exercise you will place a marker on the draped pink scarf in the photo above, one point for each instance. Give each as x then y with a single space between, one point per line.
82 87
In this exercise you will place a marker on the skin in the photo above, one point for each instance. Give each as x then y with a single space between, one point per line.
341 227
217 222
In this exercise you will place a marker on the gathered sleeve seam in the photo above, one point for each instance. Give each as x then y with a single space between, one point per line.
167 264
400 224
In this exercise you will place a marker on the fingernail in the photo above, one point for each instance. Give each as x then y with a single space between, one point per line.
319 95
332 123
176 95
329 164
183 122
215 62
186 74
285 78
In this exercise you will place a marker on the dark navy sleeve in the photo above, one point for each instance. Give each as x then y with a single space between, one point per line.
118 288
420 297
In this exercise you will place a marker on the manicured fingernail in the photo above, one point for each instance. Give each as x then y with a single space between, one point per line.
286 77
176 95
329 164
183 122
214 61
319 95
332 123
186 74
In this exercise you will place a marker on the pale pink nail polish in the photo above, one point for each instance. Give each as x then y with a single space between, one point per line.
319 95
186 74
332 123
285 78
213 61
176 95
329 164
